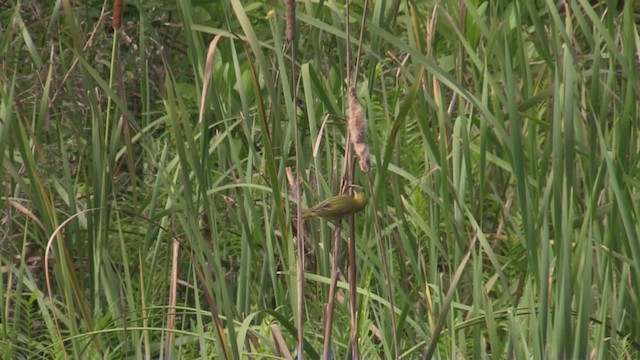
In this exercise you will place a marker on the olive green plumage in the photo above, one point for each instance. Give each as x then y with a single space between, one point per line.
337 207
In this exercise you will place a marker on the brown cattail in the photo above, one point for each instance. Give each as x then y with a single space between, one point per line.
116 22
290 15
357 123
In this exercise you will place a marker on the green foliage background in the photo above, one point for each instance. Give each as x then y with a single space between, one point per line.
503 193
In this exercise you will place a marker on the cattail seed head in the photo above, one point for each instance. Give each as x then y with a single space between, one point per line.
290 15
116 22
357 124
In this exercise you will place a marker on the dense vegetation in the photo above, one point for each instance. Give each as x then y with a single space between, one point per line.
150 203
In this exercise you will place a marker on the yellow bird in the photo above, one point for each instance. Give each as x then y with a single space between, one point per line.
337 207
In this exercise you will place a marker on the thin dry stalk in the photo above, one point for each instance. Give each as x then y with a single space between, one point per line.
173 288
333 287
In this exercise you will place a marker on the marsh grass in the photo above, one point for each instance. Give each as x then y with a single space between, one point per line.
503 186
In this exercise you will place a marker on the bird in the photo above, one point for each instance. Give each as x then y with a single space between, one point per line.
337 207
